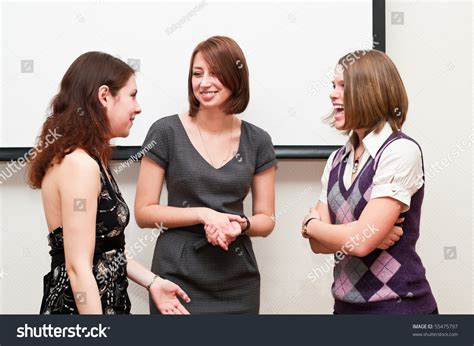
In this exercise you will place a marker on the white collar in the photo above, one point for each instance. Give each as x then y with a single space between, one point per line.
373 141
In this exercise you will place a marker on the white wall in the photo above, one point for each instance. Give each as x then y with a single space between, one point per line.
66 29
433 52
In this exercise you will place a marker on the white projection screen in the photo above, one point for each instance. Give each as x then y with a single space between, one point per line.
291 49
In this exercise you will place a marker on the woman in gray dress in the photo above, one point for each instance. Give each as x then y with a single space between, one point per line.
210 160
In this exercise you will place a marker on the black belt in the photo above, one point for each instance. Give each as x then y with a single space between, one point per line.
195 232
101 245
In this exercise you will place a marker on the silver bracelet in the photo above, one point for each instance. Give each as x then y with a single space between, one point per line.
151 282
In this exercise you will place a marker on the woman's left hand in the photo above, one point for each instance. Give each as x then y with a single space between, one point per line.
223 237
393 236
234 231
165 296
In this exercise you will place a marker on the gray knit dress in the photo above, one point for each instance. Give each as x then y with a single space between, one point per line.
217 281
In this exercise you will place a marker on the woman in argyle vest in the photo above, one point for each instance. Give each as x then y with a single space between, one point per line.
369 185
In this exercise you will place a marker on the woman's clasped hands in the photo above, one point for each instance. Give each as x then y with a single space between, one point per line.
221 228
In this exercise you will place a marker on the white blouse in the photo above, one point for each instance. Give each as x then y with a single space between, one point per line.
399 174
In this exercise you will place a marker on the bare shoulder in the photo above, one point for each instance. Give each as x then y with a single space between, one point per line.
79 164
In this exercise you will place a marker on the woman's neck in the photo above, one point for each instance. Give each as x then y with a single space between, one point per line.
214 121
361 133
357 137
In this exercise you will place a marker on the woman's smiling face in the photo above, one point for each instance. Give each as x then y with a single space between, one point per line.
207 88
337 98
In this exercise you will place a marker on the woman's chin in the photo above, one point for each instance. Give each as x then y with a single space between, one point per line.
123 134
339 125
209 106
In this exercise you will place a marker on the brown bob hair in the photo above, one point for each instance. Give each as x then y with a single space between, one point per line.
373 92
227 61
77 114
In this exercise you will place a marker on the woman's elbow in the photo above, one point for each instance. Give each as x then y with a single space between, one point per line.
269 230
262 233
139 217
140 222
361 250
314 246
76 270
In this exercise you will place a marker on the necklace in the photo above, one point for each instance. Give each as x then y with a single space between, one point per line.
355 166
205 147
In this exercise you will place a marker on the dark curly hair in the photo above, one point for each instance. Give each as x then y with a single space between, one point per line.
77 114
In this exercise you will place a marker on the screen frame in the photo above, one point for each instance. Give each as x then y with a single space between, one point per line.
296 152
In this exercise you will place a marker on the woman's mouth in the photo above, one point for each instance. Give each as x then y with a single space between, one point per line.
208 95
338 112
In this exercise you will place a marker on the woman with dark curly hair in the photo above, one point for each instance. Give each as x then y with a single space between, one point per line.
85 211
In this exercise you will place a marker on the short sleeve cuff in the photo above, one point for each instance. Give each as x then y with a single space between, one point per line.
394 191
158 160
267 165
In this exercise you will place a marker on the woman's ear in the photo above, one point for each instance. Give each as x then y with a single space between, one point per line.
103 94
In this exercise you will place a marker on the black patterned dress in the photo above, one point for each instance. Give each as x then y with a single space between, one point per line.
109 265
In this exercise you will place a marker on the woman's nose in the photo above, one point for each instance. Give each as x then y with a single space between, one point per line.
206 80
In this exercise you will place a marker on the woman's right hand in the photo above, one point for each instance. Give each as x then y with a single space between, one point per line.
218 227
165 296
392 237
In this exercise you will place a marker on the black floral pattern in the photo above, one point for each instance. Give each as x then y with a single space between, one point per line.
109 268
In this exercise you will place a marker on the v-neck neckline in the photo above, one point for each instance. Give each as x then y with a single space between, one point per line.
342 169
110 180
199 154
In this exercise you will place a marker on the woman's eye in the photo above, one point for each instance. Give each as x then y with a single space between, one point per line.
197 74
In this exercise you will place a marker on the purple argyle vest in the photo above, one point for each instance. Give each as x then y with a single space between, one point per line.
384 281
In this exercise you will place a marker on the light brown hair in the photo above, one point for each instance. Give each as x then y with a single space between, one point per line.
373 92
227 61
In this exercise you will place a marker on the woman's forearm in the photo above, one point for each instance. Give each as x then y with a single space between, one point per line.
319 248
170 217
261 225
316 246
138 273
362 236
86 292
349 238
